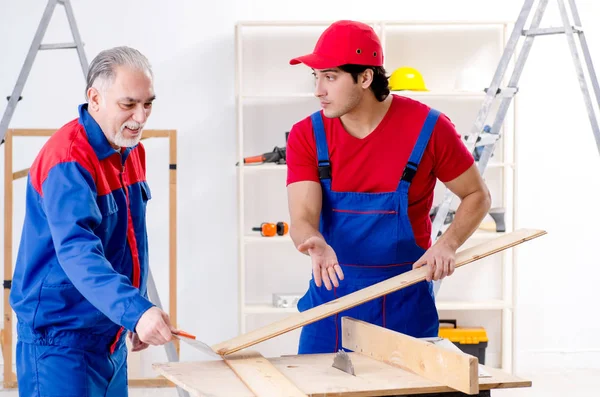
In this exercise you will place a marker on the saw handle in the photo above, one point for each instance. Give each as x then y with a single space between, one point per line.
185 334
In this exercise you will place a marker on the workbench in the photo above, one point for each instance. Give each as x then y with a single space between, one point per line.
314 376
381 362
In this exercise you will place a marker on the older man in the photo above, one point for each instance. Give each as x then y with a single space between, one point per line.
81 272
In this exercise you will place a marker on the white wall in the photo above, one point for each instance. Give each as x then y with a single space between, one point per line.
191 45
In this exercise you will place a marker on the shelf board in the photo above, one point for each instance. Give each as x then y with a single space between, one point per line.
484 235
441 305
267 309
500 165
283 167
494 304
258 239
411 94
264 167
441 93
389 23
279 95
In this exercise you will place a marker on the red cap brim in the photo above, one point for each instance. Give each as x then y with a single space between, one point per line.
316 61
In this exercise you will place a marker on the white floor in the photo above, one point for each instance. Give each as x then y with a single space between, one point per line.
571 383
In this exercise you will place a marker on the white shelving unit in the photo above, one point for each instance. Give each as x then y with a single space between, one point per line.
457 60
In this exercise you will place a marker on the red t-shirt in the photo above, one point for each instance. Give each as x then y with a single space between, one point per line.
375 163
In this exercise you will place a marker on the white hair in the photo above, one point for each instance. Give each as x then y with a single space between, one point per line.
101 73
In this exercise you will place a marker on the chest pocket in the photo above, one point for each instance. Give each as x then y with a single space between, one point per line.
146 194
109 210
107 204
139 194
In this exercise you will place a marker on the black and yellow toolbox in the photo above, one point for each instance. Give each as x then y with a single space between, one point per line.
471 340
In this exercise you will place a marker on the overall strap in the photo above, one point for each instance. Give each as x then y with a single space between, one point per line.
417 153
322 150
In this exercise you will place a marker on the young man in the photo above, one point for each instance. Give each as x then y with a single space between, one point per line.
80 278
361 177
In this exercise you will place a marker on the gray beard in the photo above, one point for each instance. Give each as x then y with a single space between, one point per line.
121 141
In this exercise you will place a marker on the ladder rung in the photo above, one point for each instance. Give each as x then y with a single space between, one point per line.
506 91
549 31
57 46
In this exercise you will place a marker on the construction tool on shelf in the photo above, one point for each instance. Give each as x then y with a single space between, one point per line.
277 156
269 229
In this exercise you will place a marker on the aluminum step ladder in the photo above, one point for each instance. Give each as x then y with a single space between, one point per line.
505 95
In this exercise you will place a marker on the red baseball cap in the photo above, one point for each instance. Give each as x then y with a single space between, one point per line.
344 42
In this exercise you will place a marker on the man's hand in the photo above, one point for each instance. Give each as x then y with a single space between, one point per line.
154 327
324 262
136 344
441 259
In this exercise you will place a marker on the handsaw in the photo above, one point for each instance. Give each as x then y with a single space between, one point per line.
375 291
198 344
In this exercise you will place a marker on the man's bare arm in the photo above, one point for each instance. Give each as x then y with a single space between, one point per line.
304 201
475 202
304 204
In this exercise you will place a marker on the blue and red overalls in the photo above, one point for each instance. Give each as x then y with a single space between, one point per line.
373 239
80 276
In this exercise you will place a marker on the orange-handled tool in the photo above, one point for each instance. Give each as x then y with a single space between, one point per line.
255 159
185 334
192 341
268 229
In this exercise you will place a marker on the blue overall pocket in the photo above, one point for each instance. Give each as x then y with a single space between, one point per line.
364 236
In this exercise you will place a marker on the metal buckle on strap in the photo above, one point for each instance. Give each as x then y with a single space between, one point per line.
409 172
324 170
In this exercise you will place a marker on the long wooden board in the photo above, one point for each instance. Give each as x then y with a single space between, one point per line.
366 294
453 369
314 376
260 376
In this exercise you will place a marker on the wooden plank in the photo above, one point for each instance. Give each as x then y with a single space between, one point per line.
260 376
453 369
7 340
20 174
173 234
156 133
204 378
150 382
314 376
366 294
32 132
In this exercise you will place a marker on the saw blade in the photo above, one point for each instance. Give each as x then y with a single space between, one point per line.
192 341
342 361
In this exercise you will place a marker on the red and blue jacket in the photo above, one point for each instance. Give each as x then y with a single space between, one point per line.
81 270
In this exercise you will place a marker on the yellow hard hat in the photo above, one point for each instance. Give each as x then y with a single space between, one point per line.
407 78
